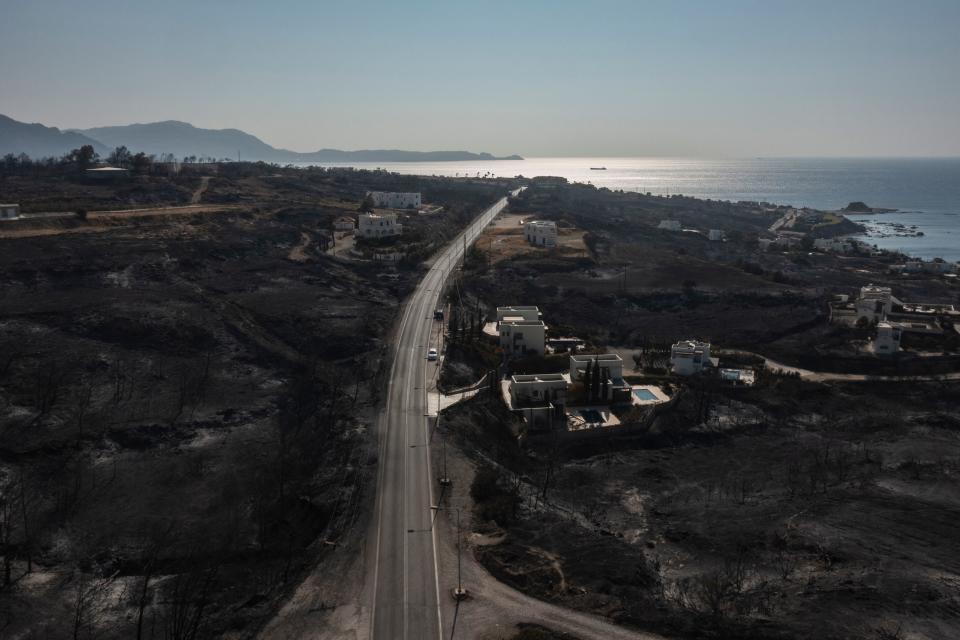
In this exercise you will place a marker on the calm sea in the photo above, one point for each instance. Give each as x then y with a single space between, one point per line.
925 191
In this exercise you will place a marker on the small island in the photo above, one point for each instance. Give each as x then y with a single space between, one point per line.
861 207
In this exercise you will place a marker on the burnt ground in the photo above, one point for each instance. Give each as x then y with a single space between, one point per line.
832 515
816 510
185 411
640 284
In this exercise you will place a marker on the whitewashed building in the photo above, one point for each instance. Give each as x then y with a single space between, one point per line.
521 330
689 357
9 211
378 225
613 386
874 303
528 313
887 341
538 390
395 199
609 361
670 225
542 233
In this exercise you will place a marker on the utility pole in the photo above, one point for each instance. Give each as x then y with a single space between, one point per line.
459 593
444 479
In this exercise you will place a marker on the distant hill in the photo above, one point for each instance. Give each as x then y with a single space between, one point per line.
183 139
38 141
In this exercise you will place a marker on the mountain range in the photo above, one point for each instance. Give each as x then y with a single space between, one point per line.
38 141
183 139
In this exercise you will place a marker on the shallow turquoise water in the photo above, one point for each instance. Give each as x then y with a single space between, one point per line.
644 394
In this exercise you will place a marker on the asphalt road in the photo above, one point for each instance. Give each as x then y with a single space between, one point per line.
406 594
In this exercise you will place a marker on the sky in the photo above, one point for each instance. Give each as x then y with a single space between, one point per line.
693 78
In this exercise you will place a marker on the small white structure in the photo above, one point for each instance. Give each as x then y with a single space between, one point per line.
378 225
670 225
609 361
538 390
887 341
542 233
529 314
9 211
874 303
715 235
689 357
521 330
613 386
395 199
107 173
344 223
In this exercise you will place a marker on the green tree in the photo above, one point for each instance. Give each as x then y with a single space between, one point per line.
367 203
588 381
142 163
83 157
120 157
595 386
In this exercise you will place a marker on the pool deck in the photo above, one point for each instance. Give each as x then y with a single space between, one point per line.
660 396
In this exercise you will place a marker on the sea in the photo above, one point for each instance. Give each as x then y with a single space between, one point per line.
924 191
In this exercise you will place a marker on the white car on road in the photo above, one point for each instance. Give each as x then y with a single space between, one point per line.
432 354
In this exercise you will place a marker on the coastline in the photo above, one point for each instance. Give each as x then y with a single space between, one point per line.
924 191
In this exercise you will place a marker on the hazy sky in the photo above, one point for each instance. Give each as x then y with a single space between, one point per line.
694 78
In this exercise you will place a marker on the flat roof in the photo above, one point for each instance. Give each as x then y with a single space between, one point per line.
521 307
523 323
604 357
539 377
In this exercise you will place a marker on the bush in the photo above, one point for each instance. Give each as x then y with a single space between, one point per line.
486 485
493 502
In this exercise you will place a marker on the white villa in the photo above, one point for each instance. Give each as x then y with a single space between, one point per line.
539 389
395 199
541 232
887 341
874 303
609 361
521 330
670 225
611 370
689 357
9 211
379 225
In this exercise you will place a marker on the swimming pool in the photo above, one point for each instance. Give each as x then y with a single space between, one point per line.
645 394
